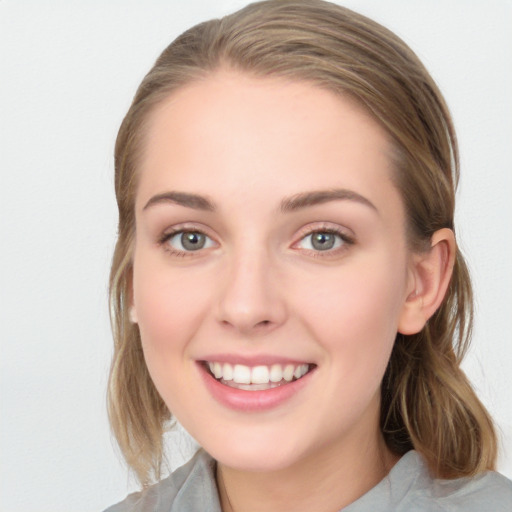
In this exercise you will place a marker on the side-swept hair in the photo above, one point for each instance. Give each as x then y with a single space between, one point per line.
427 402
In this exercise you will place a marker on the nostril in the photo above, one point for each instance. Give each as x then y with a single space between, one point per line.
263 325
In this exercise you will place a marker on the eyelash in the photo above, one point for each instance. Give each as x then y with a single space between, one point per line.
164 239
345 239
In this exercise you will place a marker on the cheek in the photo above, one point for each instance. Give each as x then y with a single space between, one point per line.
169 306
355 316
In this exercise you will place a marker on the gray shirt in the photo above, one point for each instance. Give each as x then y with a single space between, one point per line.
407 488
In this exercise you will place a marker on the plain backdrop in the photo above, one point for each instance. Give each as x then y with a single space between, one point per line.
68 72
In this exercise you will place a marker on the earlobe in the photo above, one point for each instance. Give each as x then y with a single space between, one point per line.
133 315
430 276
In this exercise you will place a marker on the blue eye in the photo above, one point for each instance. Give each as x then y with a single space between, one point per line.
189 241
322 241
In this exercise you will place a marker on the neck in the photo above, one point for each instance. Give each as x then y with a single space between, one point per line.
324 481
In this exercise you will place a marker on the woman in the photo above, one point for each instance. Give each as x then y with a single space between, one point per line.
286 279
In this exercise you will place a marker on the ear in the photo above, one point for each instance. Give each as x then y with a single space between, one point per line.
133 315
429 278
133 312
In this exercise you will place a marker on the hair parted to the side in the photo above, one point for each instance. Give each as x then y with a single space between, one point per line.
427 401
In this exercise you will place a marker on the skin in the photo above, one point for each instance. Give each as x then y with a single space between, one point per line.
259 288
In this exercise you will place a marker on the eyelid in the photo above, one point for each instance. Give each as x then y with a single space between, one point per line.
172 231
345 234
330 227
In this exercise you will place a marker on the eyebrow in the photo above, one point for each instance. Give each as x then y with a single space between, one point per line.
291 204
194 201
307 199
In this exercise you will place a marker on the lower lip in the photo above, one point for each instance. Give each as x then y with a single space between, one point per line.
252 401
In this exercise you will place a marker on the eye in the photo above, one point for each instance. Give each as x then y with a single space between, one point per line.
323 240
188 241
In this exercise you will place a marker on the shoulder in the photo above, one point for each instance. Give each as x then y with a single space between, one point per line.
190 488
486 491
409 487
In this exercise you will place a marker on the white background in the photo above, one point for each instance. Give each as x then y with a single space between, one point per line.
68 72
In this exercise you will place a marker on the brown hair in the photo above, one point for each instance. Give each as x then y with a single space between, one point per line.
427 402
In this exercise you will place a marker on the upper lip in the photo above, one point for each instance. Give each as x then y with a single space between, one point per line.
255 360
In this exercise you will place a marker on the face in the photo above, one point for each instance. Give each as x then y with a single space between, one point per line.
270 268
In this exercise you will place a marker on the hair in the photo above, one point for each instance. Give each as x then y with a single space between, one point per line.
427 402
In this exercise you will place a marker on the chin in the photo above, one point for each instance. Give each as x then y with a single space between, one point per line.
253 456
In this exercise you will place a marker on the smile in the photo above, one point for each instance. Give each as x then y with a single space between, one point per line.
255 387
256 378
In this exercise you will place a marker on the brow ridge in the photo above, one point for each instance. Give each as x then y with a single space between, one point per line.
186 199
307 199
290 204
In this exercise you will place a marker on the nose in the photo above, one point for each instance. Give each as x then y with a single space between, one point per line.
252 299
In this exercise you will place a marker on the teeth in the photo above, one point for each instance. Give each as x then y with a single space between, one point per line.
217 370
260 375
227 372
288 372
276 373
300 371
242 374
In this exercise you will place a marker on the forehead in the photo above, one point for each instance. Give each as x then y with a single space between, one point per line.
231 134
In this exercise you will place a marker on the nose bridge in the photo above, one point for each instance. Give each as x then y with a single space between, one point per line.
251 297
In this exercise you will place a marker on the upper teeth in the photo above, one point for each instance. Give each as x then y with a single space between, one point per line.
242 374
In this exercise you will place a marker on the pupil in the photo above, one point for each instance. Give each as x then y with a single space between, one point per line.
192 241
323 241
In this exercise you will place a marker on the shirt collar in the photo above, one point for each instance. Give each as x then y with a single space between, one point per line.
199 491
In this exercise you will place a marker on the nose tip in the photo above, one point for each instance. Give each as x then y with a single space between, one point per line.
251 301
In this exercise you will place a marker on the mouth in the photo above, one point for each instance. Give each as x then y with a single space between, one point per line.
256 378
